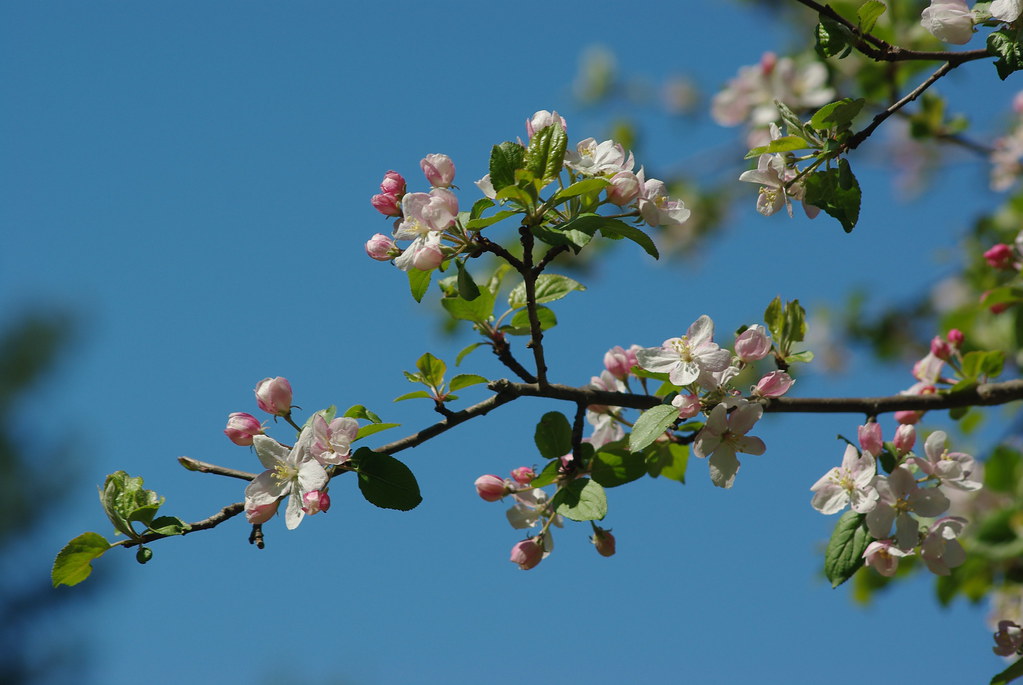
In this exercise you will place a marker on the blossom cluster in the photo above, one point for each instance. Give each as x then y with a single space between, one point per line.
952 21
776 173
531 507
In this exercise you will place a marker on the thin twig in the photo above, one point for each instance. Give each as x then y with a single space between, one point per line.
862 135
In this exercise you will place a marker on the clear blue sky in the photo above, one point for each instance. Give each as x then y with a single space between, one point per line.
193 181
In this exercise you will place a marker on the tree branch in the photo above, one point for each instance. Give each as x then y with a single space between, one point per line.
862 135
224 514
204 467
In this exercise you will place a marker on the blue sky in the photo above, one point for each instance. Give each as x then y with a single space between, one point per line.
193 182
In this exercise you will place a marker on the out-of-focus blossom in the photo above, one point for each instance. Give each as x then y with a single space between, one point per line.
883 556
439 170
850 484
940 549
241 428
950 21
749 97
725 434
956 337
1008 639
273 395
1000 256
619 361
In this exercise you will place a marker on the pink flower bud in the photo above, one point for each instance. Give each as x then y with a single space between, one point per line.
619 361
439 170
753 344
261 513
767 62
273 395
908 417
941 348
241 427
688 405
603 541
869 435
956 337
386 204
315 501
381 248
523 475
624 188
541 120
905 438
491 487
774 384
527 554
428 257
999 256
393 184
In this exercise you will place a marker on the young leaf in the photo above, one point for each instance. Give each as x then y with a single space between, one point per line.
581 500
548 475
465 352
482 222
464 380
611 228
357 411
169 525
587 185
519 324
833 38
1005 45
650 425
74 562
774 317
414 395
614 466
837 114
477 310
844 555
432 369
783 144
418 282
549 287
668 459
467 288
868 14
1008 675
374 428
553 435
386 482
479 206
504 160
841 200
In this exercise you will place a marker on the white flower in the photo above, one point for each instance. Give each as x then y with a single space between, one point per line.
693 357
898 495
724 435
955 469
940 549
1006 10
949 21
849 484
289 472
591 158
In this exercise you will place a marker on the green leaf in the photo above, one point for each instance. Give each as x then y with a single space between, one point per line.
478 207
545 155
504 160
414 395
1011 673
372 428
844 555
576 240
357 411
837 192
581 500
464 380
614 466
837 114
515 194
465 351
467 288
795 322
549 287
169 525
980 363
477 310
519 324
833 38
432 369
868 14
483 222
650 425
1002 470
548 475
587 185
1004 45
419 282
74 562
553 435
774 317
122 497
611 228
783 144
386 482
668 459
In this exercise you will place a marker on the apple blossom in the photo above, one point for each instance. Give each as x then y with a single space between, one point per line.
949 21
898 495
691 358
752 344
954 469
315 501
591 158
1006 10
883 556
999 256
619 361
523 475
260 513
542 119
869 436
624 188
774 384
905 438
393 184
528 553
291 472
956 337
387 204
486 187
273 395
725 434
654 205
688 405
491 488
1008 639
751 95
774 176
332 443
941 348
241 427
530 506
439 170
928 369
603 540
940 549
426 216
381 248
850 484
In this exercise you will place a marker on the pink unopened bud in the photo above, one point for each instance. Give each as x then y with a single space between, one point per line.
393 184
956 337
381 248
386 204
999 256
491 487
603 541
542 119
768 62
774 384
624 188
241 427
941 348
688 405
523 475
315 501
428 257
619 361
273 395
261 513
869 435
905 438
527 554
753 344
439 170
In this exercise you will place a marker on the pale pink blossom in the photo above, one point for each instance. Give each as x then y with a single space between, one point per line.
750 96
955 469
591 158
691 358
315 501
273 395
774 384
381 248
1007 159
898 495
940 549
905 438
439 170
688 405
619 361
883 556
542 119
491 488
426 216
624 188
950 21
774 175
241 427
752 344
850 484
332 443
530 507
928 369
260 513
1008 639
654 205
290 471
725 434
486 187
528 553
869 436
